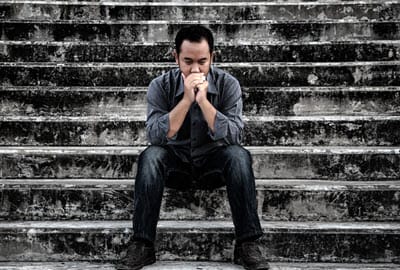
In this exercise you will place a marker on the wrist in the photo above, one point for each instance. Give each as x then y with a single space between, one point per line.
186 101
202 102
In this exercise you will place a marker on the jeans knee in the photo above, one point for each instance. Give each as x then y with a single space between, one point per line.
238 168
152 165
153 156
238 156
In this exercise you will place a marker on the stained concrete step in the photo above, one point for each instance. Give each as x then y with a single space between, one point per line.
278 200
249 73
165 31
326 163
342 242
43 51
131 101
189 265
258 131
226 11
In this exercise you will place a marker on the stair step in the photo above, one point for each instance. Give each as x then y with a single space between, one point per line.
53 51
112 199
131 101
201 240
117 129
165 31
334 163
226 11
188 265
249 74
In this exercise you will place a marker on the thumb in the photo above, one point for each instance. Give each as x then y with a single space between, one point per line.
183 76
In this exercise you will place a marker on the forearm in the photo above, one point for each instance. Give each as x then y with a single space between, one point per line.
209 113
177 116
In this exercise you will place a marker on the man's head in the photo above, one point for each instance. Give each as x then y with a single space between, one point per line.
194 47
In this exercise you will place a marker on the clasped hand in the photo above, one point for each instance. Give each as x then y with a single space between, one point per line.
195 87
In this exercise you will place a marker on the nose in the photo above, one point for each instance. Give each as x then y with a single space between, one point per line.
194 68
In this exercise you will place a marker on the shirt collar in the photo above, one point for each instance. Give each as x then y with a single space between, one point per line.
212 89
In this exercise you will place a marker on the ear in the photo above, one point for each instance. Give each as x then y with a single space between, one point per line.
176 56
212 57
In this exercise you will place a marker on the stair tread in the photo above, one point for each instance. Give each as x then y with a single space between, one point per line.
139 115
185 22
33 227
202 3
280 184
173 65
135 150
217 43
141 89
190 265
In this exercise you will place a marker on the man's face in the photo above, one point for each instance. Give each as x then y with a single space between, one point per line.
194 57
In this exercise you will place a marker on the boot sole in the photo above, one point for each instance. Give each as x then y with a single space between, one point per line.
137 267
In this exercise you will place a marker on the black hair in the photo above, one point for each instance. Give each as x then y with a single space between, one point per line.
194 33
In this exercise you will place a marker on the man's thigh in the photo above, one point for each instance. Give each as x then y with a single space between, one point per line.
211 174
179 173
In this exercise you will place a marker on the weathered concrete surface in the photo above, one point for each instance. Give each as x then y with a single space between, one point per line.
205 11
91 132
334 163
302 242
70 101
43 51
188 265
341 202
249 74
309 101
165 31
266 101
300 131
259 131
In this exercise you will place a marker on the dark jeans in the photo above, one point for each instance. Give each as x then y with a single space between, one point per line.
230 166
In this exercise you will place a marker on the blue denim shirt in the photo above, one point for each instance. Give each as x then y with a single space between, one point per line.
195 140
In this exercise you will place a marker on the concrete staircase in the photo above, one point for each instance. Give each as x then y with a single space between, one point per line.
321 90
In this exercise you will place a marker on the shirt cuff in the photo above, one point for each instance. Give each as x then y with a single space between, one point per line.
220 127
164 125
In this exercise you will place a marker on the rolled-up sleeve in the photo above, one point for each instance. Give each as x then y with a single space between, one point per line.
157 123
228 120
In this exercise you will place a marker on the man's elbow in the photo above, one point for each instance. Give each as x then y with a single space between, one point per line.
155 139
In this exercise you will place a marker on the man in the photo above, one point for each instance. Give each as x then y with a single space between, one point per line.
194 123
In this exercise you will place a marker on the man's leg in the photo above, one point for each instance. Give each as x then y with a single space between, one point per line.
149 187
240 186
235 164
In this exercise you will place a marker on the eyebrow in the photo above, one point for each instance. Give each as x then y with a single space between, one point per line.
201 59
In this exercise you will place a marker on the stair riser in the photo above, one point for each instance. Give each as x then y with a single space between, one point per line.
321 103
117 204
179 12
335 52
81 133
255 75
36 102
371 166
269 133
164 32
56 245
40 102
